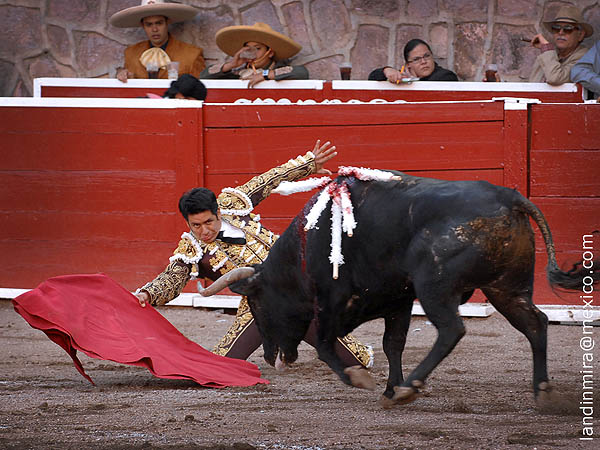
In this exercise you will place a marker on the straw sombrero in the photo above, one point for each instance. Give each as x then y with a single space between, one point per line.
570 14
231 39
132 17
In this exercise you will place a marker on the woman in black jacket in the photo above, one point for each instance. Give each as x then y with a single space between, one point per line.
419 64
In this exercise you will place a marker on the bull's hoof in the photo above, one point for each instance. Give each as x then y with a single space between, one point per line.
279 364
360 378
544 386
386 402
403 395
544 397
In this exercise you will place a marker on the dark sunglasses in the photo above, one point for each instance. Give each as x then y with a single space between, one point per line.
568 29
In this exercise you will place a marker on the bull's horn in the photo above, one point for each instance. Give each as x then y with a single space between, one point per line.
226 280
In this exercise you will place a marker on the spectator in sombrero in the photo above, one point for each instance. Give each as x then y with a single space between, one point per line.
150 58
258 53
558 57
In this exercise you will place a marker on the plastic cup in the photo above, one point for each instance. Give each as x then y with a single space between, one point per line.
249 53
346 70
152 70
490 72
173 70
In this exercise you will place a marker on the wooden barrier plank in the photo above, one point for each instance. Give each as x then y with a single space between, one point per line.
86 150
200 151
565 173
101 192
187 141
565 127
130 264
454 96
99 92
213 95
435 91
256 115
75 120
516 174
64 224
401 147
543 294
569 220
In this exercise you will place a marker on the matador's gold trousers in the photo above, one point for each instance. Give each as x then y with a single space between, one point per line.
243 338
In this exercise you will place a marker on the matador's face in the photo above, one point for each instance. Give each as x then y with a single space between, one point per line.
205 225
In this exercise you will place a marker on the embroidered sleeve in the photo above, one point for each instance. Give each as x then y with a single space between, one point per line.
168 284
242 199
214 71
291 73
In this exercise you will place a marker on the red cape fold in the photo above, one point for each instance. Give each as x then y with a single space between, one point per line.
95 315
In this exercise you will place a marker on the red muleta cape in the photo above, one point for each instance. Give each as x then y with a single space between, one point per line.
97 316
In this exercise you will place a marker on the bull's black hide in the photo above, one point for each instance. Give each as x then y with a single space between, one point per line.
421 238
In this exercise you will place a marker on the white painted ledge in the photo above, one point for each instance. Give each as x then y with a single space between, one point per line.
555 313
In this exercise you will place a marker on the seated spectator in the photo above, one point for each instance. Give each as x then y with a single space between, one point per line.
419 64
154 16
568 30
259 53
587 70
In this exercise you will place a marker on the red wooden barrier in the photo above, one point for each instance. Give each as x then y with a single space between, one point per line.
227 91
218 91
95 189
435 91
564 182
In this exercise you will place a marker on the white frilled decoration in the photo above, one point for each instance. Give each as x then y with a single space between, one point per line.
293 187
342 218
365 174
342 211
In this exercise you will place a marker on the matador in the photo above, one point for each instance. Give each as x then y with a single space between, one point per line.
225 234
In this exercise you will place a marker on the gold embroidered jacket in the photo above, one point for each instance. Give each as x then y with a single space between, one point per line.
195 259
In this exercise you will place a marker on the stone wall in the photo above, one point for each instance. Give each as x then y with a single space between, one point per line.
72 38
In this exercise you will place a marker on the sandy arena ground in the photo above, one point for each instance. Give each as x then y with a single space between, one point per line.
480 397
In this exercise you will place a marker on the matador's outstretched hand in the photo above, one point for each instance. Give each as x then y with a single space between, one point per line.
323 153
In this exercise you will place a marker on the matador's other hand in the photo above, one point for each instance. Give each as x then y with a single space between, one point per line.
323 153
143 298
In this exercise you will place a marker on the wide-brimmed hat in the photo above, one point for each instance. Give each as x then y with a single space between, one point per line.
571 14
132 17
231 39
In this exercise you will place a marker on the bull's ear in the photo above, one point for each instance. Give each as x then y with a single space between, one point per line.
248 286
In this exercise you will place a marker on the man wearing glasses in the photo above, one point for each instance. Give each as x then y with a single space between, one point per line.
568 30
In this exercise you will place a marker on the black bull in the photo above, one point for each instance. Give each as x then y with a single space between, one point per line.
421 238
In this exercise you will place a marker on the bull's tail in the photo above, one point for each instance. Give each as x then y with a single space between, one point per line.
573 279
